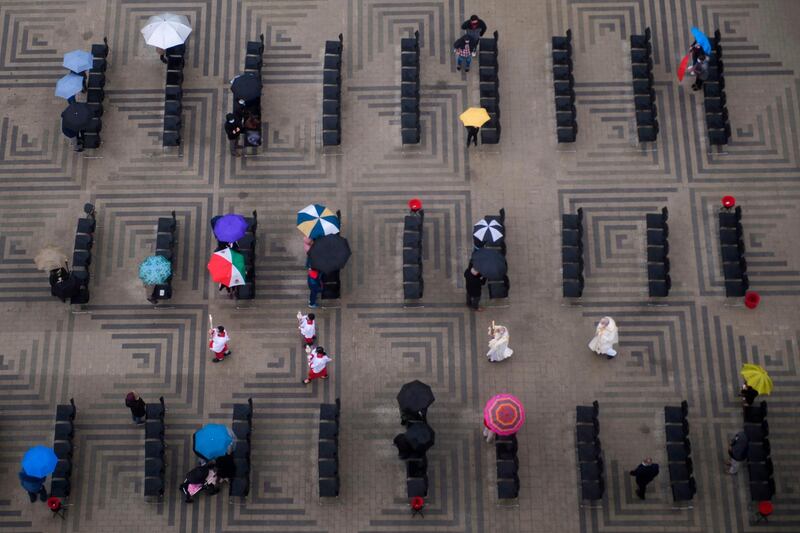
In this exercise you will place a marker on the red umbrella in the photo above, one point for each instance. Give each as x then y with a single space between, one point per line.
682 67
504 414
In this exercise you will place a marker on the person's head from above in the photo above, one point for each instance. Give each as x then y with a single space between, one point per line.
230 118
605 321
474 272
221 329
473 20
132 396
313 274
320 351
647 461
311 317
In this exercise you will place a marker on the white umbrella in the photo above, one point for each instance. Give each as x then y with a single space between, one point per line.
492 227
166 30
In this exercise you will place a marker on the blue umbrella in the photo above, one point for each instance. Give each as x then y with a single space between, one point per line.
212 441
230 228
39 461
702 40
154 270
78 60
69 85
316 221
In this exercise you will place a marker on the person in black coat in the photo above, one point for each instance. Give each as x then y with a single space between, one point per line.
233 129
474 26
644 474
474 280
137 406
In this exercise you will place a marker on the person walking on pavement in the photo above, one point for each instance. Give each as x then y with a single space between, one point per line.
317 363
307 327
233 128
137 406
472 135
737 452
605 337
474 280
314 287
464 49
218 342
644 474
34 486
474 27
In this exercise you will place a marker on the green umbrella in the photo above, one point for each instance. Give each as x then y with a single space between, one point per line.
154 270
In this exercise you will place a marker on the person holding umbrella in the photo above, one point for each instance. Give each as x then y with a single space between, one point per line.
414 399
756 381
79 62
314 281
37 463
503 415
165 31
473 118
68 86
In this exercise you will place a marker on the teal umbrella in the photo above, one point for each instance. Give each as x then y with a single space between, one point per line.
154 270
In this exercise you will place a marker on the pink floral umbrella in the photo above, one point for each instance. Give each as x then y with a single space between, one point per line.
504 414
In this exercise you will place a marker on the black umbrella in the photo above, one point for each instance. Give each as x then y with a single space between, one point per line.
490 263
329 253
246 86
76 117
414 396
198 474
420 437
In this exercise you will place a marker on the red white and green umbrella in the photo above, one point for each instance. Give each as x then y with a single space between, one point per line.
227 267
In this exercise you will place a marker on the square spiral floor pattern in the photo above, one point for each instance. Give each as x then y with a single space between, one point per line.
689 345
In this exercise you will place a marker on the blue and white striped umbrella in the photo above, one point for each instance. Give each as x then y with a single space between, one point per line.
316 221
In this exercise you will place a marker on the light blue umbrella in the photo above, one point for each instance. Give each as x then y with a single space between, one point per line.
39 461
154 270
69 85
702 40
78 60
212 441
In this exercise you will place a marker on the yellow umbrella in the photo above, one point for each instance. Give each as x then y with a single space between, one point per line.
757 377
474 116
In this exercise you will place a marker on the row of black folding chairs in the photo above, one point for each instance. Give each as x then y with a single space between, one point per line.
507 464
63 435
759 454
165 246
173 96
681 467
95 94
409 89
564 86
658 279
489 87
714 101
572 254
242 426
332 85
253 61
590 453
328 449
643 93
82 255
731 238
154 451
412 255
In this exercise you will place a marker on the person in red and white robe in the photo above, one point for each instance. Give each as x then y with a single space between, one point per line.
218 342
317 363
307 327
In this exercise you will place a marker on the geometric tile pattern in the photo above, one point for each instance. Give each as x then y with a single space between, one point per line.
688 346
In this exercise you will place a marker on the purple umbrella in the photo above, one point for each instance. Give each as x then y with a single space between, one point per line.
230 228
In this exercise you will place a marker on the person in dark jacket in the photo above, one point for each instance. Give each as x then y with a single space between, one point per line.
474 27
233 128
644 474
314 287
464 49
34 486
137 406
737 452
472 135
474 280
748 394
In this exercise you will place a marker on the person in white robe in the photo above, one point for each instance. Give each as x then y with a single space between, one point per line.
498 344
605 337
307 326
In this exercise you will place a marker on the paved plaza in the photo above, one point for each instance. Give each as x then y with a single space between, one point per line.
689 345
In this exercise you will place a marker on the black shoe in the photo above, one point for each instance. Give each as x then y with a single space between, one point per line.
43 495
215 360
640 494
466 70
458 68
228 353
32 496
